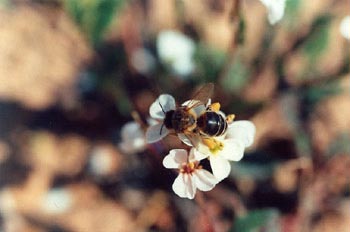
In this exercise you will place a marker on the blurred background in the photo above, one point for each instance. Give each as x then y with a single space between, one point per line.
77 78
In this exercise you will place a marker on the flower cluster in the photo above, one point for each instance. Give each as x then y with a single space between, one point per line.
220 150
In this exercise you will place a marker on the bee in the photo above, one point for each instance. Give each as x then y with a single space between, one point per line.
197 117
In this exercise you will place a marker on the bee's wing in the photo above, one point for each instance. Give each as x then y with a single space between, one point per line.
204 93
190 139
200 97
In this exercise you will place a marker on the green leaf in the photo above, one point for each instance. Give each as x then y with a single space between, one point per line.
209 62
237 78
339 145
93 16
291 11
241 31
302 142
5 3
316 93
318 40
254 170
258 220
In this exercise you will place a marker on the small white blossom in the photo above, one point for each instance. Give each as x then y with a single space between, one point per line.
345 27
142 60
176 50
229 147
191 175
57 200
275 10
133 138
163 104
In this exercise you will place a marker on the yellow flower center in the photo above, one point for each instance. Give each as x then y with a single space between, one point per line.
214 145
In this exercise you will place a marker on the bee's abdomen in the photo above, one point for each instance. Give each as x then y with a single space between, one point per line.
212 124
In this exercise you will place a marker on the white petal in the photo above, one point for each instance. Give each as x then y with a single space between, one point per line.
233 150
275 9
183 67
220 166
152 121
156 132
173 46
202 148
133 138
57 201
143 60
164 102
175 158
242 130
204 180
344 27
183 186
196 155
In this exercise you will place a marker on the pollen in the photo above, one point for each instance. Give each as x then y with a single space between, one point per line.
229 118
215 106
214 145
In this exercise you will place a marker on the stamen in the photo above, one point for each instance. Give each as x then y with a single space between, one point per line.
214 145
189 168
230 117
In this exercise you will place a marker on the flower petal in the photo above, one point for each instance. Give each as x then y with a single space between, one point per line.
204 180
275 9
164 102
156 132
183 67
344 27
196 155
175 158
220 166
184 187
173 46
133 138
233 150
242 130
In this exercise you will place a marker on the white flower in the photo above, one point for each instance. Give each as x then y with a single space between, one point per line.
275 10
229 147
133 138
191 175
176 50
158 109
142 60
345 27
57 200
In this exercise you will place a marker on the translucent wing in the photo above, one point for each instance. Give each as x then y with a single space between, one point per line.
190 139
201 96
204 93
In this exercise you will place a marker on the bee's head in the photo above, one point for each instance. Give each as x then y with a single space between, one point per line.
168 119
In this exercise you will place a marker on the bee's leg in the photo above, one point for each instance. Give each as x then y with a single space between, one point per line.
229 118
215 107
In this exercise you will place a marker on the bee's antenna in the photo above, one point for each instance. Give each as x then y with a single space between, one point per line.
161 107
161 128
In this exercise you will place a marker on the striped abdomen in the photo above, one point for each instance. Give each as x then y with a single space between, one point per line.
212 124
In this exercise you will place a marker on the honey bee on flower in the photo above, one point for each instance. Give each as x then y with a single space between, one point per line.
193 120
211 135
